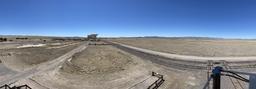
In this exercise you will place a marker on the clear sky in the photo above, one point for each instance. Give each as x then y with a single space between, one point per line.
205 18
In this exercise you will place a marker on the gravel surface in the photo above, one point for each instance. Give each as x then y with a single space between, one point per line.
22 58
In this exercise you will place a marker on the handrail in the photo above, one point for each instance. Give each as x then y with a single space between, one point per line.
244 73
158 82
5 86
15 87
218 71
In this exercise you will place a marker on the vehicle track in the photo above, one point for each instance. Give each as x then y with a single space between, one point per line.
207 66
172 63
42 67
185 64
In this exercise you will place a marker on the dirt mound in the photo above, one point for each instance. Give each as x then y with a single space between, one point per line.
98 60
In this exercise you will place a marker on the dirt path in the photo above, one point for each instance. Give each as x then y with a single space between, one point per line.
190 58
194 47
6 72
178 64
42 67
107 67
178 74
99 67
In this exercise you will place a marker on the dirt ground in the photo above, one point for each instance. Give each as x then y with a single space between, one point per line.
106 67
97 67
195 47
6 45
20 59
100 59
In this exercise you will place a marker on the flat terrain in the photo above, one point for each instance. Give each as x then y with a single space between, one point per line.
34 69
106 67
20 59
195 47
99 65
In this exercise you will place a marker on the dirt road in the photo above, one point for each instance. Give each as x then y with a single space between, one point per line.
193 65
163 60
191 58
42 67
193 77
4 72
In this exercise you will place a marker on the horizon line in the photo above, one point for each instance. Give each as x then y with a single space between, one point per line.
209 37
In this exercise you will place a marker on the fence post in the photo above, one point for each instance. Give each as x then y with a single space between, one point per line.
216 74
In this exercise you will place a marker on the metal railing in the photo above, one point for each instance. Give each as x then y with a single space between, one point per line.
218 71
15 87
158 82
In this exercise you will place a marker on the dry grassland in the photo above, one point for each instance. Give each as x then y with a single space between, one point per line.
195 47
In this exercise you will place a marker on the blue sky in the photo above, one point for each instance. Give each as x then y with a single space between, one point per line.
207 18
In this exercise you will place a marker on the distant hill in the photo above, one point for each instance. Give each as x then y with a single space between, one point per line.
200 38
35 37
158 37
190 37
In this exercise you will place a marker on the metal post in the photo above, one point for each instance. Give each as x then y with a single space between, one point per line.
216 72
209 68
252 83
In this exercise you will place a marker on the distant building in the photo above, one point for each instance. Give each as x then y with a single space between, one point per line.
92 37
